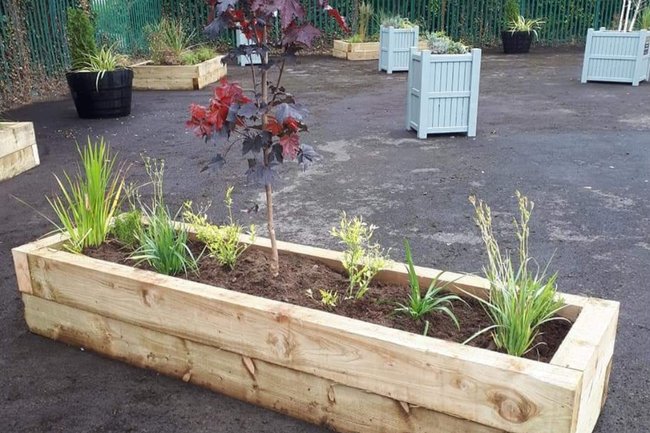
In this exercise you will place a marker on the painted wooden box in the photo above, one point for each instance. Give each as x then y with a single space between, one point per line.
443 91
178 77
346 374
254 59
619 57
356 50
395 47
18 150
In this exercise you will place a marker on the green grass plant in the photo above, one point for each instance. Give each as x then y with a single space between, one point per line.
435 299
366 12
519 300
89 199
521 24
223 242
362 259
162 242
168 41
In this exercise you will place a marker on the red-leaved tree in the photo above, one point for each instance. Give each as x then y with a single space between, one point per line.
265 121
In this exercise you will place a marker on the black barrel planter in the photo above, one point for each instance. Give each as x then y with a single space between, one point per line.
516 42
108 97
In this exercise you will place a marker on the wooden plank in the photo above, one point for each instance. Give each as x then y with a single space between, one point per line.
515 395
589 348
363 55
15 136
17 162
341 46
309 397
21 263
340 54
180 77
364 47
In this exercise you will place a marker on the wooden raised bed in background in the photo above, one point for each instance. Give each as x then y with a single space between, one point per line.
326 369
18 150
177 77
356 50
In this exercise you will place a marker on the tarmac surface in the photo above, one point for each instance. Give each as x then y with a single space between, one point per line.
581 152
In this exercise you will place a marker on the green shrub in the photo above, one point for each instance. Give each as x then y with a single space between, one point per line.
511 11
81 37
396 21
440 43
127 227
519 301
223 242
88 200
365 14
362 259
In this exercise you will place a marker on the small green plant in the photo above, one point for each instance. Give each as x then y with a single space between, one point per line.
519 301
366 12
511 11
162 242
521 24
434 299
127 227
196 56
329 298
223 242
440 43
168 40
81 37
396 21
105 59
362 259
88 200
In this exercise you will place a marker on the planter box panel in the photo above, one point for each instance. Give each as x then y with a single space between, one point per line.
18 150
310 397
395 48
443 93
178 77
255 59
356 51
613 56
483 390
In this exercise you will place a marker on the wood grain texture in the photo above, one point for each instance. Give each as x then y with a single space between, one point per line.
515 395
18 150
309 397
178 77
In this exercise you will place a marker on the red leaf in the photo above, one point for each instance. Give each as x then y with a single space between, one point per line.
273 126
301 34
290 145
292 124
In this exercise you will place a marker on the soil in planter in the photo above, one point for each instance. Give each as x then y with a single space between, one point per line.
298 275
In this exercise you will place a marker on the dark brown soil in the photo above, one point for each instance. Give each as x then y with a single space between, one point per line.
300 281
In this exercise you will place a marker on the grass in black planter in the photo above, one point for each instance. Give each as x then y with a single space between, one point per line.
100 86
520 32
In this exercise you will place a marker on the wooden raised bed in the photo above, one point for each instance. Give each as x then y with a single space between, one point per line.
177 77
326 369
18 150
356 51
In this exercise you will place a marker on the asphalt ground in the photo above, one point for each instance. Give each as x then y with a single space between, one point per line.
581 152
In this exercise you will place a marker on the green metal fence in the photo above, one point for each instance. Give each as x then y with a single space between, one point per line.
33 46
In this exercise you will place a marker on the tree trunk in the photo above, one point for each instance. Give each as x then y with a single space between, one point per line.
275 262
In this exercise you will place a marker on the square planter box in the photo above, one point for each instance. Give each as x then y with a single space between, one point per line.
395 48
356 51
177 77
443 92
245 60
18 150
619 57
346 374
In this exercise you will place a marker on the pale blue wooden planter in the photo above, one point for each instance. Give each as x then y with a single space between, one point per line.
395 47
246 60
620 57
443 92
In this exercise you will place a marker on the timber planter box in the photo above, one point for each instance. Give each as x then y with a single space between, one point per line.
356 50
178 77
395 47
346 374
442 95
618 57
18 150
